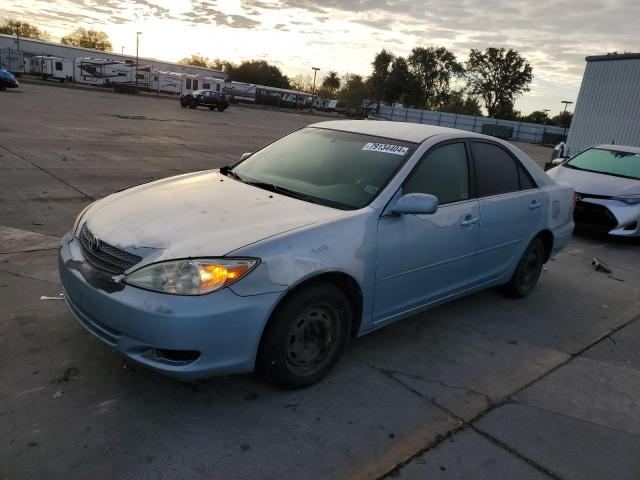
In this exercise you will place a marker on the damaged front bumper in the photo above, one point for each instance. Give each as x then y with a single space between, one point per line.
186 337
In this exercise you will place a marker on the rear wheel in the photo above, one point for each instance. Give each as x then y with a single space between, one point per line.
305 337
528 271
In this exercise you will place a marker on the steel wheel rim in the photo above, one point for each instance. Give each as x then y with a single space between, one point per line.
529 268
310 339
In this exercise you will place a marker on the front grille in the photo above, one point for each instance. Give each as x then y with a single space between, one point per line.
104 256
594 216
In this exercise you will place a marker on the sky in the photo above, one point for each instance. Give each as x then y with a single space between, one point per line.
343 35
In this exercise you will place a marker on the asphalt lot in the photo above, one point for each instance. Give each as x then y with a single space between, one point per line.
485 387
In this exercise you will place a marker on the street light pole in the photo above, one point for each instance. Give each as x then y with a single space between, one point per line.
137 58
566 104
313 92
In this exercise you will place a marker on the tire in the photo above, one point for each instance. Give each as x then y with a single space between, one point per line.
222 109
3 88
183 104
305 337
527 272
192 104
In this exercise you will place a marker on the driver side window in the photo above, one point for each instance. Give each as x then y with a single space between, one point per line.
443 172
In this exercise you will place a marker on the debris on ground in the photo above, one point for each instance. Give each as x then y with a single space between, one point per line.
600 266
59 297
68 374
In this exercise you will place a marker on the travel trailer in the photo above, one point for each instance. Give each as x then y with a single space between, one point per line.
240 92
166 82
211 83
52 67
120 75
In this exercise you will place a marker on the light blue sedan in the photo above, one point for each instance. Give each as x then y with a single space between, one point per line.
331 232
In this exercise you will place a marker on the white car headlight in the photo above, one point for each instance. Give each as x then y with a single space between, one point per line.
191 276
628 199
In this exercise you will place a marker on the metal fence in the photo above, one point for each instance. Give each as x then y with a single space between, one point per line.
522 131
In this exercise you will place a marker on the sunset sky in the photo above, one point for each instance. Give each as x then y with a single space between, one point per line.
344 35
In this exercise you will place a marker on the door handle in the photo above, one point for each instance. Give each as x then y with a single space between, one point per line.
535 205
469 220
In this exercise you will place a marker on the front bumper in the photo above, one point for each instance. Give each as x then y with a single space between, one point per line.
218 333
610 216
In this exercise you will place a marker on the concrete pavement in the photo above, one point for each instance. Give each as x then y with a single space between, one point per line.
484 387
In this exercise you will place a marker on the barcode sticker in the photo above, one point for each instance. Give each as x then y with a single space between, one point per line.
385 148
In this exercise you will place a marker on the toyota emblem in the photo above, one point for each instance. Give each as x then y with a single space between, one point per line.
94 243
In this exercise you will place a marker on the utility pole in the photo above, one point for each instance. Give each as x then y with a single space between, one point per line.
566 104
313 92
18 25
137 58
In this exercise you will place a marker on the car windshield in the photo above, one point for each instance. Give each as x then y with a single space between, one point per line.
334 168
608 162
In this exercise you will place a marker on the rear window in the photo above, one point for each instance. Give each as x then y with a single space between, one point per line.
496 170
607 162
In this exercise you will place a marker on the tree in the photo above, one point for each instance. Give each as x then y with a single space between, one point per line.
537 116
563 119
195 61
221 65
378 81
434 67
403 85
12 26
353 91
331 82
259 72
93 39
457 102
498 76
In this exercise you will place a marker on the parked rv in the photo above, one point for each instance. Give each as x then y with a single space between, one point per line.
166 82
121 76
52 67
240 92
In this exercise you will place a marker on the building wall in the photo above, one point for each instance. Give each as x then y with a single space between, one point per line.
608 106
36 47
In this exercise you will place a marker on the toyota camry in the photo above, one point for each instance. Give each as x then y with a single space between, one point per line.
275 262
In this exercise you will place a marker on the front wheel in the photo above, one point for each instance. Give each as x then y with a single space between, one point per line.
305 337
192 104
527 272
222 109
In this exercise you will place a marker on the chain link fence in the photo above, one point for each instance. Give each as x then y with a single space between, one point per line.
508 129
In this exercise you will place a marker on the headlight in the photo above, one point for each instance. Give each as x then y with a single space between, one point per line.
192 276
79 218
628 199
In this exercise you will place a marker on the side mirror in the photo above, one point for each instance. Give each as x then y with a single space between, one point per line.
557 161
245 155
416 203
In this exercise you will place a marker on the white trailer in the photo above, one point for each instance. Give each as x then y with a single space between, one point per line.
190 83
120 75
212 83
166 82
241 92
52 67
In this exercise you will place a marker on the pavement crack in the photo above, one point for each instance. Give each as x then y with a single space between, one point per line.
19 275
42 169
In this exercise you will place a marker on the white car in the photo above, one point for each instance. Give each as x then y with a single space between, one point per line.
606 179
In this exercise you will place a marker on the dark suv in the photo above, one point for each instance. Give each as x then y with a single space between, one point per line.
208 98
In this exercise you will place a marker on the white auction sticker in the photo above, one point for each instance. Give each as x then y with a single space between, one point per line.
385 148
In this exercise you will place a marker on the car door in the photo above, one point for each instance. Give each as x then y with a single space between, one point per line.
423 258
511 209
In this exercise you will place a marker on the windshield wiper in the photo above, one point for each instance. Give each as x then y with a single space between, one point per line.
283 191
227 172
568 165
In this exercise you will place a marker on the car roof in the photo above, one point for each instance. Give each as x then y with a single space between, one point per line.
619 148
407 132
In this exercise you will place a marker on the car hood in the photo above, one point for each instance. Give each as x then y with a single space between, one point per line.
200 214
595 183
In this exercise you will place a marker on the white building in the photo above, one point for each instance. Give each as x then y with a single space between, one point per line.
608 106
32 48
